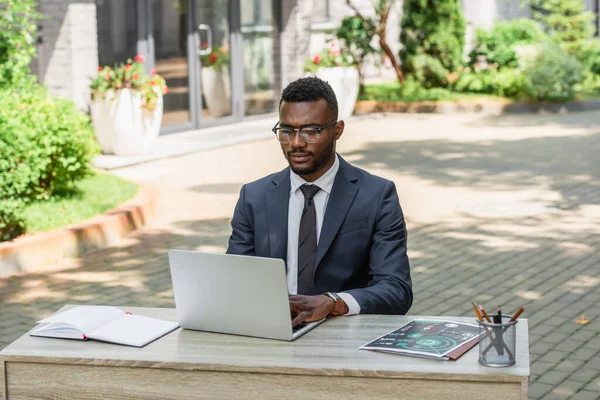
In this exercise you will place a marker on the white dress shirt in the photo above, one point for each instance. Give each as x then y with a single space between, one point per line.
325 183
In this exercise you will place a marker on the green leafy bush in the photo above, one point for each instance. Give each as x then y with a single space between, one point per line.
433 38
565 20
46 146
356 35
11 219
497 46
553 74
18 35
505 82
410 91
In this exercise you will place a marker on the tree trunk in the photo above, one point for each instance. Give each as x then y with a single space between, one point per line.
388 52
383 14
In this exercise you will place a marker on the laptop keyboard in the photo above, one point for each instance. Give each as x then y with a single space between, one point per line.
298 327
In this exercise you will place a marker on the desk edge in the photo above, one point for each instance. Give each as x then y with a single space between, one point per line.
267 369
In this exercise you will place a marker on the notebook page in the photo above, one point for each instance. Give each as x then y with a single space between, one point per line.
133 330
87 318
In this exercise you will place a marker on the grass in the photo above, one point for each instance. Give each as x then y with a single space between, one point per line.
95 195
411 92
393 91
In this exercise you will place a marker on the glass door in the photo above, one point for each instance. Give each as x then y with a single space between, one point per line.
214 52
169 28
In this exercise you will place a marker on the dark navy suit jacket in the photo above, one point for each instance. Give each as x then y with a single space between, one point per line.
362 247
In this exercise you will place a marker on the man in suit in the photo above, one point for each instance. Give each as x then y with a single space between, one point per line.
340 229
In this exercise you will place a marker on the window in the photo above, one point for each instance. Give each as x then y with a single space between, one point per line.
321 11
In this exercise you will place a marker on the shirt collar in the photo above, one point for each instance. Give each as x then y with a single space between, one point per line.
325 182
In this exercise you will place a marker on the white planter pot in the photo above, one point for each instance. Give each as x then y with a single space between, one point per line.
344 82
123 126
217 91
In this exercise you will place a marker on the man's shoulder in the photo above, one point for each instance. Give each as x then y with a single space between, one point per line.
367 178
265 182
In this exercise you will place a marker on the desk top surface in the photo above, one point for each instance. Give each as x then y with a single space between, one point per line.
329 349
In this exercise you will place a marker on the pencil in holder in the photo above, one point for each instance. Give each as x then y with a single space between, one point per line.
497 343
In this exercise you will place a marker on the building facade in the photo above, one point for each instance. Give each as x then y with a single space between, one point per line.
260 46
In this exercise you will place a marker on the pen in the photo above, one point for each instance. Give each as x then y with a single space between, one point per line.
516 315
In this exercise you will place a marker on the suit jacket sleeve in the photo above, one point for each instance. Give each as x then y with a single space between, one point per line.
241 241
389 290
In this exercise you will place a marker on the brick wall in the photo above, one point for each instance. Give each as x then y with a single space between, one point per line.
68 52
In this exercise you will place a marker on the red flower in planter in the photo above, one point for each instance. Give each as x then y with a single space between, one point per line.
136 76
205 45
127 67
165 90
139 58
213 57
100 69
317 59
153 82
153 72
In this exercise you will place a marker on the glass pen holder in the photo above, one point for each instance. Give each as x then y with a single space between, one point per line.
497 343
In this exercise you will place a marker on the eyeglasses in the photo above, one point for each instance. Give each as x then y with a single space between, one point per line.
310 134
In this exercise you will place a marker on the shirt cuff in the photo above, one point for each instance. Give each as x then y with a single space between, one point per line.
353 306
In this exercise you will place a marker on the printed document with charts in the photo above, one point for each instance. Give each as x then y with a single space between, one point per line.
104 323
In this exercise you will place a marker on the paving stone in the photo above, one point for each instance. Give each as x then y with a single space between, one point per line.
537 389
567 388
569 365
569 345
541 348
585 395
539 368
553 377
554 337
593 386
554 356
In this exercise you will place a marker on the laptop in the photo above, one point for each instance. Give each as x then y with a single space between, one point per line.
241 295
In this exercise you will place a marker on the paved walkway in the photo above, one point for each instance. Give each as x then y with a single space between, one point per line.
503 210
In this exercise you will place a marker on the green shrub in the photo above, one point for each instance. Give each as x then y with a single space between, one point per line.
433 38
553 74
356 35
46 146
11 219
505 82
497 46
565 20
18 35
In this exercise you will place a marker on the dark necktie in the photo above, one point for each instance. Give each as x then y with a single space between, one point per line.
307 242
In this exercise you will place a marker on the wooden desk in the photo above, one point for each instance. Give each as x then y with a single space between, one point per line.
325 363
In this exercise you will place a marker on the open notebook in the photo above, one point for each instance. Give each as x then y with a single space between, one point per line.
104 323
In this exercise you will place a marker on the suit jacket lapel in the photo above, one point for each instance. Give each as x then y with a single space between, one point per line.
342 196
277 203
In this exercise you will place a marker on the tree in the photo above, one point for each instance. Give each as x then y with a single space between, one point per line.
565 20
378 26
433 39
356 35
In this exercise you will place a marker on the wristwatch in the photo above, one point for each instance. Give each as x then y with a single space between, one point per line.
339 303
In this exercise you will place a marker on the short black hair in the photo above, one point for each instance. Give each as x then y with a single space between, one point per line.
310 89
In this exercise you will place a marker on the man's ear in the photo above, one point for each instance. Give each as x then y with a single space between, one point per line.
339 129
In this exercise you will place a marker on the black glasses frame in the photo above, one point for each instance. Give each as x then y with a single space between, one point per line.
319 129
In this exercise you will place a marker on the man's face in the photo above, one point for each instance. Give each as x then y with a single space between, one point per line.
310 160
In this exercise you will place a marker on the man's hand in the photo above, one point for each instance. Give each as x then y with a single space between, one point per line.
310 308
